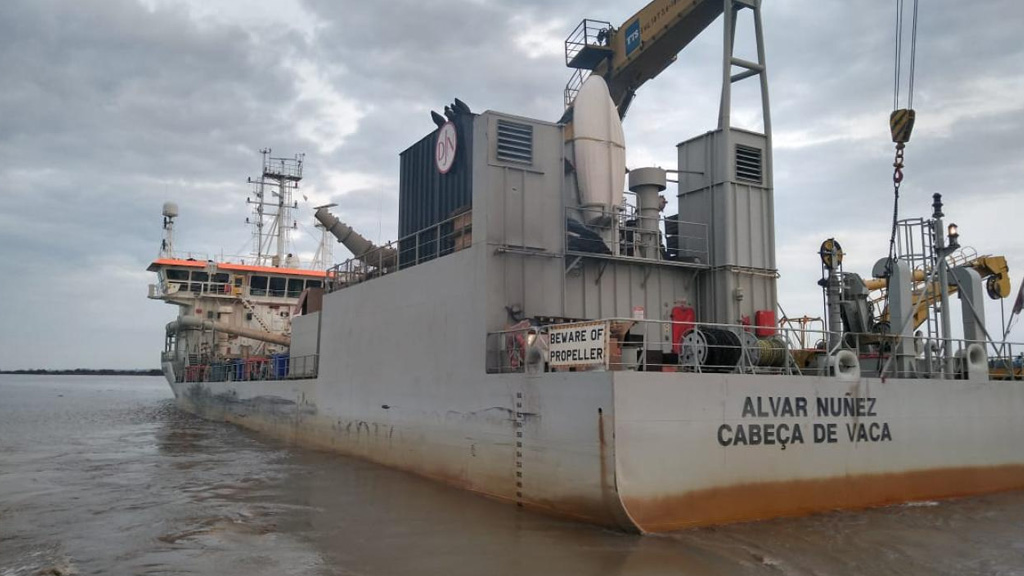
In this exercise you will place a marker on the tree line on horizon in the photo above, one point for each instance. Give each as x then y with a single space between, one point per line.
86 372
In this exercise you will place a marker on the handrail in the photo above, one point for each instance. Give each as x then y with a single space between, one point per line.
639 344
445 237
222 289
623 231
588 33
252 369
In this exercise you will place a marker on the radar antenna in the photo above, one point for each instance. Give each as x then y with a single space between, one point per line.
170 212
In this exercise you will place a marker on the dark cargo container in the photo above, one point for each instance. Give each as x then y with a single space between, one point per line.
426 197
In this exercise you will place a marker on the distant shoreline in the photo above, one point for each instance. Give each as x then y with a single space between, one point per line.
86 372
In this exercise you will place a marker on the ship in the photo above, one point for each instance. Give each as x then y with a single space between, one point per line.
541 335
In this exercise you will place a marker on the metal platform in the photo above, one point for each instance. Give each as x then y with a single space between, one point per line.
588 45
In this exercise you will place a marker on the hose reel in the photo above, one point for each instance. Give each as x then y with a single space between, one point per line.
717 350
712 349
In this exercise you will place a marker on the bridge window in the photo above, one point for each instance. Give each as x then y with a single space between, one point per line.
198 279
258 286
277 286
314 284
176 275
294 287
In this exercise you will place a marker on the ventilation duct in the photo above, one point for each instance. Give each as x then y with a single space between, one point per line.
515 142
748 164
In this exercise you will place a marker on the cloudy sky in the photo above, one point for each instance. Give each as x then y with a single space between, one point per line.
110 107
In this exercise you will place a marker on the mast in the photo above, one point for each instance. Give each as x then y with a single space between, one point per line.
170 212
272 220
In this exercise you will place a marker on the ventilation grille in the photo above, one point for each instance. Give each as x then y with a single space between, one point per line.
748 164
515 142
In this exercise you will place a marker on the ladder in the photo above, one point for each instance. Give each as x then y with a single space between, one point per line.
251 308
915 246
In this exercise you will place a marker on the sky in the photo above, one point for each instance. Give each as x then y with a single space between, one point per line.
109 108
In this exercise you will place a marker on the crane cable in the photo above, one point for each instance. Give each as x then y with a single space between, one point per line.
901 124
897 68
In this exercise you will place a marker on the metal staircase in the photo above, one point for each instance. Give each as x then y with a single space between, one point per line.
251 308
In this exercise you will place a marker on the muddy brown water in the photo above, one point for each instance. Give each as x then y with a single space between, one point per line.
103 475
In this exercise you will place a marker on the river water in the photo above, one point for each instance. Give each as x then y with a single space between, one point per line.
103 475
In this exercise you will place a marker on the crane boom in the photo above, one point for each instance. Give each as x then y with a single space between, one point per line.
647 43
650 41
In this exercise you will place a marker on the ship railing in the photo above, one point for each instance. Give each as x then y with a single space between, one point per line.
629 344
623 231
220 257
286 168
172 287
441 239
572 87
589 44
253 369
211 259
209 288
274 293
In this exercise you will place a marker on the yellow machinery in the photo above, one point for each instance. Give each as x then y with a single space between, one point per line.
645 44
992 269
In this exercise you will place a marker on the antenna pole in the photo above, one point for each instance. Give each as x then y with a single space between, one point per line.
170 212
281 176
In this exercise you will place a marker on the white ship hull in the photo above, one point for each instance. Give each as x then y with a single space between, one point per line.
406 386
644 452
414 367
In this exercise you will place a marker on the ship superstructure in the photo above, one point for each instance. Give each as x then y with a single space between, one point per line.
539 334
234 317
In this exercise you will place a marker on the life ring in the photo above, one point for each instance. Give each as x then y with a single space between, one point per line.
515 344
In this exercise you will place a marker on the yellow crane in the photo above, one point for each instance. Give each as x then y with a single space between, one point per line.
642 47
993 269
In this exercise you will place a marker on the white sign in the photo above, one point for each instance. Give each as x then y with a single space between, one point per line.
584 344
446 147
638 312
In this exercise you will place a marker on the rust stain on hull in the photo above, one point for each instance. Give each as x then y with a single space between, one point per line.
359 441
609 506
747 502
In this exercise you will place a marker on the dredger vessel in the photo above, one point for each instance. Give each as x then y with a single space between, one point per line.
538 335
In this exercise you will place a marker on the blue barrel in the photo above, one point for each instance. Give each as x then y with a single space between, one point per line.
280 366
